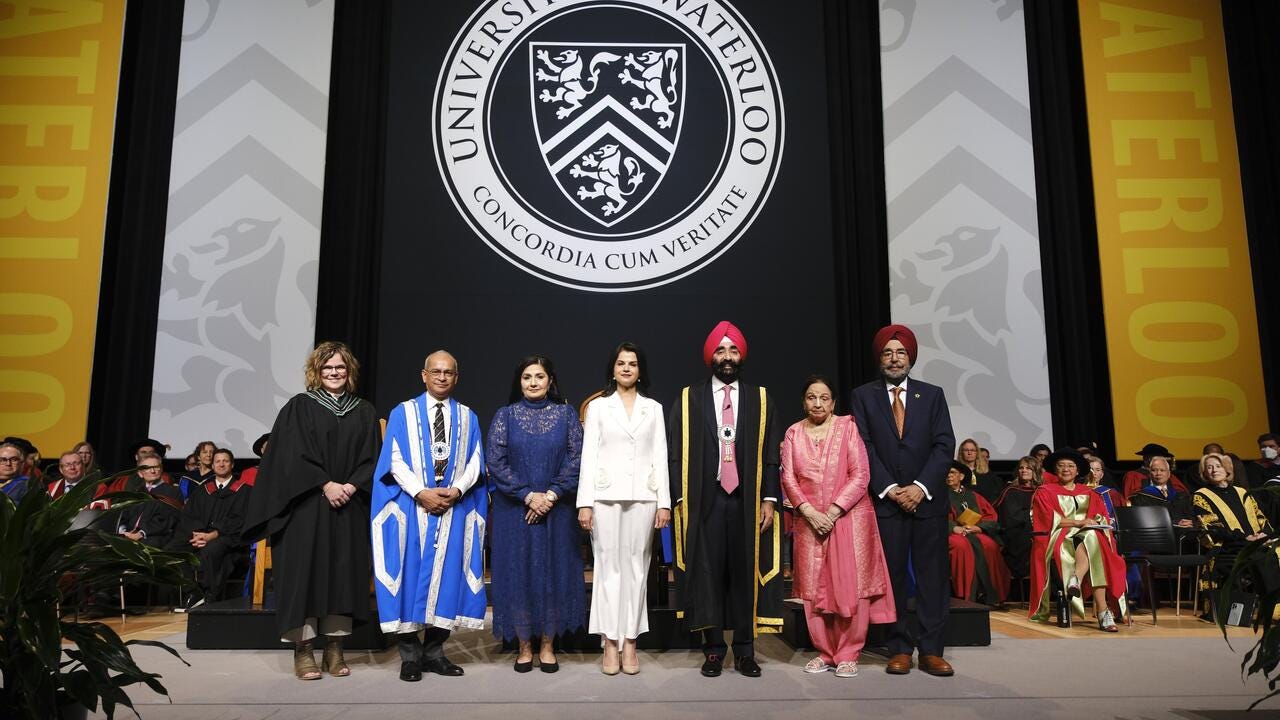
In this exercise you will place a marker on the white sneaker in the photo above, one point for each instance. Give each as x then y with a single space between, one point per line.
847 670
817 665
1107 622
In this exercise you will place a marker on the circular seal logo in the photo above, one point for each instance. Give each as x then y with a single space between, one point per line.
608 145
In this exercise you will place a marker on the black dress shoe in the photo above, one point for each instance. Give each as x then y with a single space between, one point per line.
549 667
523 667
441 666
711 667
410 671
746 666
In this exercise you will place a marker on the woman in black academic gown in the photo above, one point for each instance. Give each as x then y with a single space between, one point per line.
311 500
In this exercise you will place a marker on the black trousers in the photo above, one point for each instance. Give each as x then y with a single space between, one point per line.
730 574
217 560
430 647
922 542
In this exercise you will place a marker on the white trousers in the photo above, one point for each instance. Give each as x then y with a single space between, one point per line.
621 540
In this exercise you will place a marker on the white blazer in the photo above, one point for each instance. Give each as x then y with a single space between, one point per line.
624 458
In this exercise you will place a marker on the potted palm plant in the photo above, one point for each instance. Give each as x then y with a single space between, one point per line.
39 552
1264 657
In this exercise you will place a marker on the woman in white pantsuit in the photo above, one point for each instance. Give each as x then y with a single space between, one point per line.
622 498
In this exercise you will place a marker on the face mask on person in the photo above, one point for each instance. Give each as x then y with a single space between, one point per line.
1270 453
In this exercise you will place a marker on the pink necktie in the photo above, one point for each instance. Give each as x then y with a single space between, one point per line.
728 471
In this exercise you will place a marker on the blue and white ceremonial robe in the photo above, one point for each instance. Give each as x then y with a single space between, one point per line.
429 569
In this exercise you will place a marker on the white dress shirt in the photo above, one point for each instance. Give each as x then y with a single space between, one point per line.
888 388
407 479
717 392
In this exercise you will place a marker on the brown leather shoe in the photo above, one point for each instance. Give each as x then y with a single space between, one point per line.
899 664
935 665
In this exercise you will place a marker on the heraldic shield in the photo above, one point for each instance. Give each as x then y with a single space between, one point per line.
608 120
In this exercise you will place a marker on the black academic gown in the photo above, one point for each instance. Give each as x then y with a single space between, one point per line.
1014 508
751 602
158 520
206 510
320 556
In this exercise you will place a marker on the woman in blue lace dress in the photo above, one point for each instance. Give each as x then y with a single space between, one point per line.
533 452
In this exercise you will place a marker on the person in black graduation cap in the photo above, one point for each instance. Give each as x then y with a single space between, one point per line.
211 526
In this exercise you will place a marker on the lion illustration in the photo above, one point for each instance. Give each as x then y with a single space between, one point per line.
605 166
657 79
567 74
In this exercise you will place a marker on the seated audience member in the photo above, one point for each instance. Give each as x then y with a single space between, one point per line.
1267 467
152 523
1014 510
1230 518
1040 451
134 482
1135 480
89 459
988 485
1110 498
202 472
984 460
210 526
1074 541
191 464
12 483
978 571
30 462
1161 493
71 469
1190 475
250 475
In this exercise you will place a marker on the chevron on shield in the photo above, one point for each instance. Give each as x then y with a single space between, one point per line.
608 118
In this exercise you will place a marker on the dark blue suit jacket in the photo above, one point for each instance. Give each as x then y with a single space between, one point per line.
924 452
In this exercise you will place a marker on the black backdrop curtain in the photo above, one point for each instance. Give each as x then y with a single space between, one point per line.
1253 57
347 309
133 244
351 220
1079 379
859 212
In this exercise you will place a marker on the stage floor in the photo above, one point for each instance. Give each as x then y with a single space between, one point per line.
1180 668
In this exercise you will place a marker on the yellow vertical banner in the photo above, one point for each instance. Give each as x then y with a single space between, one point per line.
59 76
1182 327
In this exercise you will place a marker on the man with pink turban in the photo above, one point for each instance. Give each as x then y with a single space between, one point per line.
723 440
906 426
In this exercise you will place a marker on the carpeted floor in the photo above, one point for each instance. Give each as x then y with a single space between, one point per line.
1144 672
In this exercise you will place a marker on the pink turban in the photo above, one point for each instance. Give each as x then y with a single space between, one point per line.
902 334
724 330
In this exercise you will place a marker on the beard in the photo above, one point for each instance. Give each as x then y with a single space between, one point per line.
726 371
895 376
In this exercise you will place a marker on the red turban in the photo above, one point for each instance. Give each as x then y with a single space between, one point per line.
902 334
721 331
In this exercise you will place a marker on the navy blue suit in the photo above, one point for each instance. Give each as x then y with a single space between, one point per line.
923 454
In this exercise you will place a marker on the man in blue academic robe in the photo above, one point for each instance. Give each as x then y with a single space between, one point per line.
429 509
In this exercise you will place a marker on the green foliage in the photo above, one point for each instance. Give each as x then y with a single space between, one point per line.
1264 657
39 557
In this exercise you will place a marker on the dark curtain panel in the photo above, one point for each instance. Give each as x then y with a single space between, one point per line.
1253 57
859 222
1079 377
351 227
133 246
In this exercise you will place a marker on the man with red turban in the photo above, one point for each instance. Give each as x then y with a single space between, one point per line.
723 440
906 426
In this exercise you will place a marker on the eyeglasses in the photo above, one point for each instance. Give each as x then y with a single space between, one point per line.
146 468
894 353
10 460
440 373
333 370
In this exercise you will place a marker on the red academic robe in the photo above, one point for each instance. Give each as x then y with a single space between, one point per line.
1046 508
1135 480
963 558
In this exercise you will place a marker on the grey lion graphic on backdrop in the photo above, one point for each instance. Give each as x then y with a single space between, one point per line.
608 120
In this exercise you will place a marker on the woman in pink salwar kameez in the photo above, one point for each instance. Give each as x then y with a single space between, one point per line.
839 566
